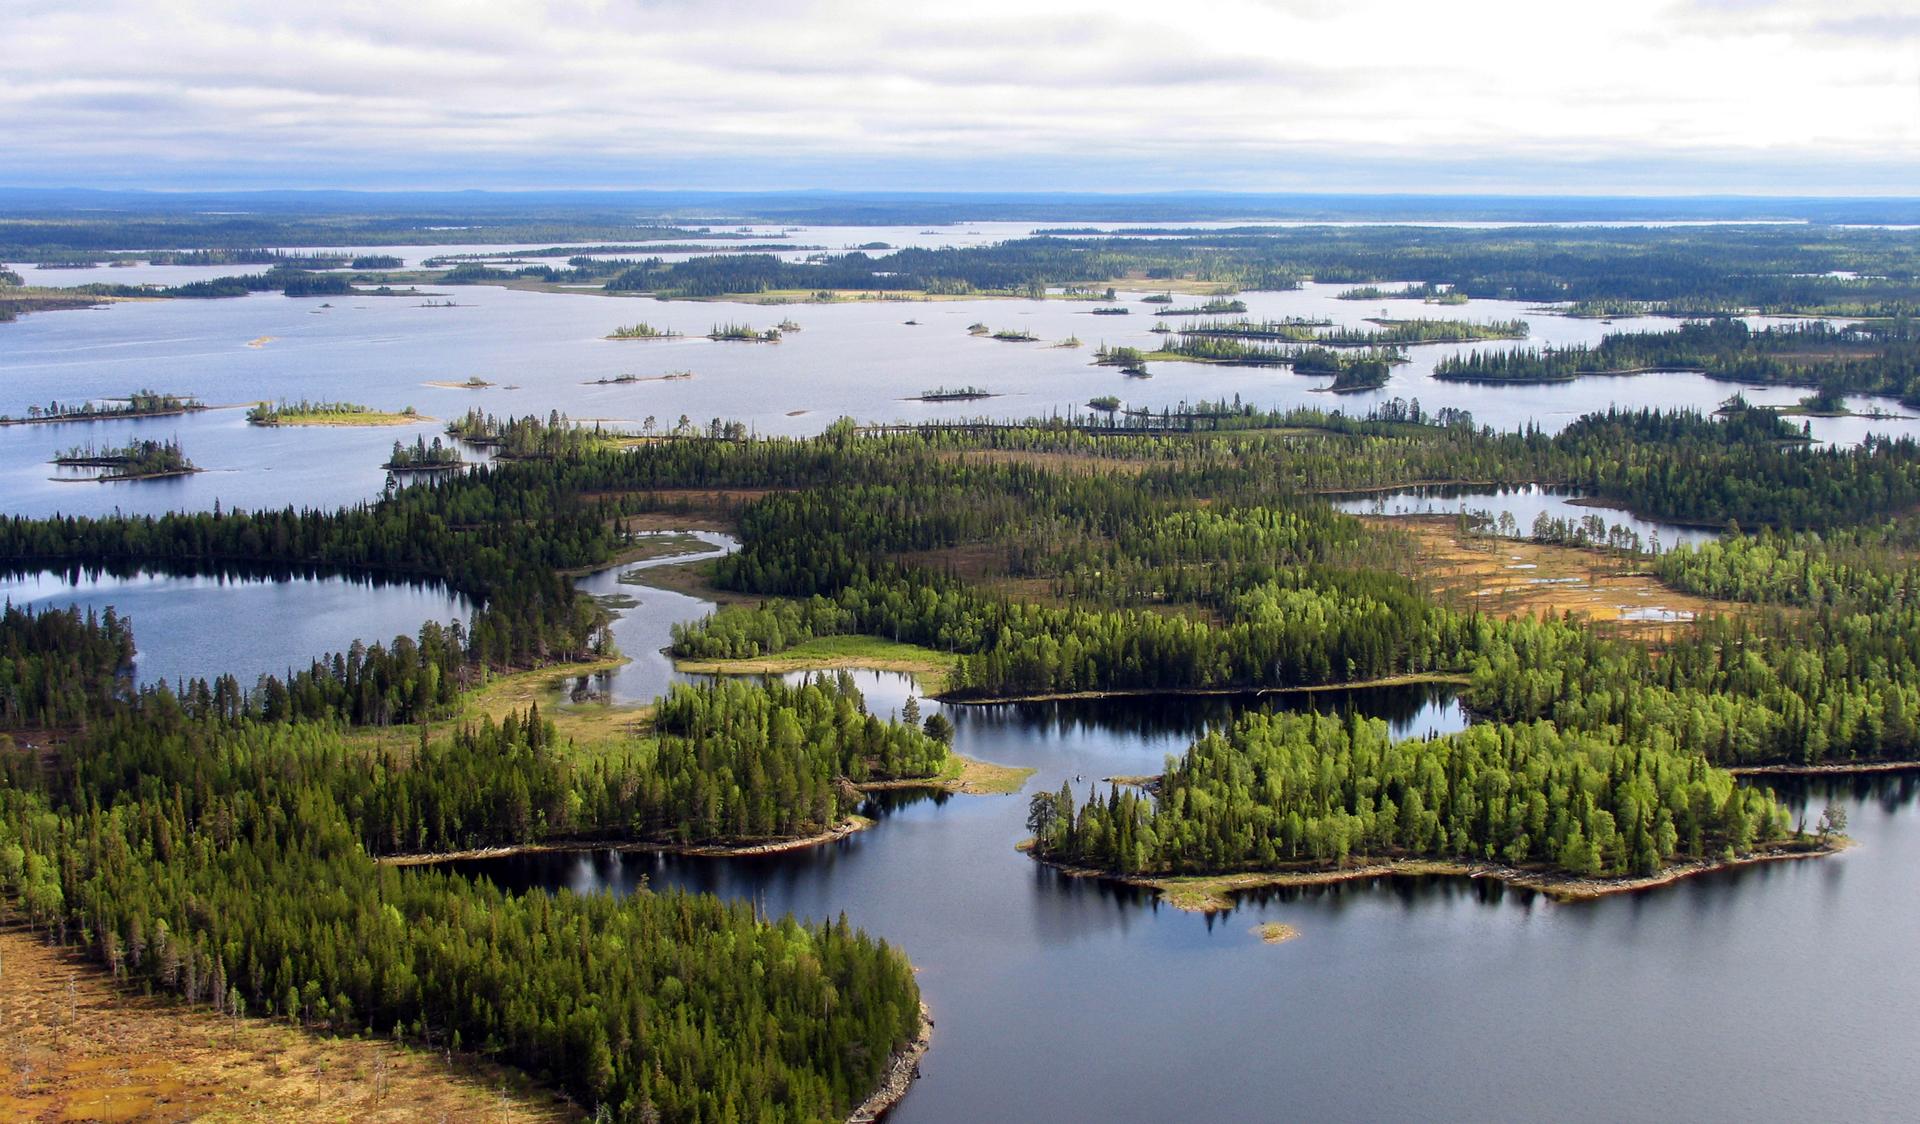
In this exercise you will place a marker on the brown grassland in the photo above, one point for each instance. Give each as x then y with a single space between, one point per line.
1507 577
74 1046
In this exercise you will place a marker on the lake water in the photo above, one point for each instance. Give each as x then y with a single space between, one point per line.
1729 998
1525 504
202 626
546 351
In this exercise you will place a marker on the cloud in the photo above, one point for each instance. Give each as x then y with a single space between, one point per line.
1076 93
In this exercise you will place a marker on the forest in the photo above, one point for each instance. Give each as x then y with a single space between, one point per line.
213 846
1866 358
221 840
1283 789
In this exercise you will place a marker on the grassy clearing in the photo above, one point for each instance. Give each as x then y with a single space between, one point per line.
587 724
667 544
73 1046
593 727
930 669
1509 576
695 579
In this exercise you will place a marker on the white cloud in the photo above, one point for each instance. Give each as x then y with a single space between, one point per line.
1794 94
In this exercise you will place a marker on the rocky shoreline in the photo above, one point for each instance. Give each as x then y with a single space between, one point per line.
903 1069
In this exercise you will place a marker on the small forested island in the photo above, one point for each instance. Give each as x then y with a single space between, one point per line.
1422 291
1130 360
952 394
423 457
642 331
136 460
304 412
1012 335
624 379
139 404
1291 328
1432 331
1116 310
1216 307
1606 309
1353 373
1105 403
743 333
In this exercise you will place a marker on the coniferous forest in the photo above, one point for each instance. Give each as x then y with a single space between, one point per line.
224 840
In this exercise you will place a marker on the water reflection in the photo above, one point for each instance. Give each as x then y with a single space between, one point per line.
1085 999
1527 505
244 621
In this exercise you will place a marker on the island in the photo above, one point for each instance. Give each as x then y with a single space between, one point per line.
743 333
1571 843
304 412
952 394
139 404
642 331
136 460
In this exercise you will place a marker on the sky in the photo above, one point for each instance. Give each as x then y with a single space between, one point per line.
1625 96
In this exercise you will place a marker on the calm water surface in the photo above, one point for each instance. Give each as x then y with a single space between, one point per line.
1525 504
547 351
202 626
1060 998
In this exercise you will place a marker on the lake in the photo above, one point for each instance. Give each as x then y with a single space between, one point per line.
246 625
547 351
1525 504
1732 997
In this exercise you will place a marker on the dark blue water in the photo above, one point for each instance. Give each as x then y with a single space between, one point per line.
1778 992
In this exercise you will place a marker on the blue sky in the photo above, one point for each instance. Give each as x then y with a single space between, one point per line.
1741 96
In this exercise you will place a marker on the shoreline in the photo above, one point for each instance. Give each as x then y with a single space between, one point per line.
1205 893
373 419
115 478
75 419
903 1069
1830 769
973 777
1409 680
839 831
